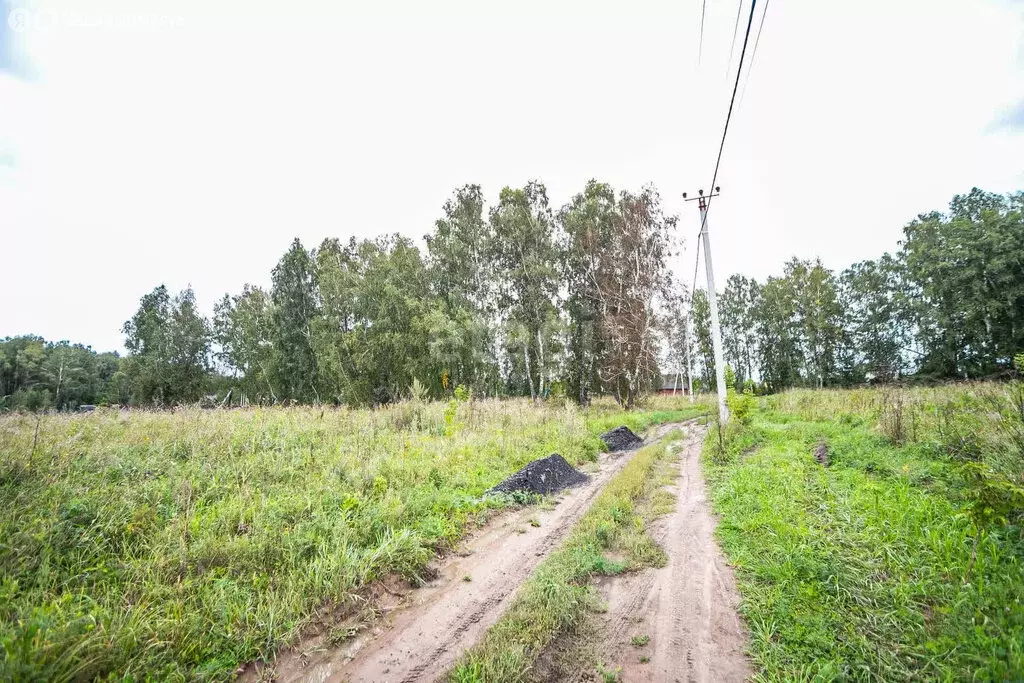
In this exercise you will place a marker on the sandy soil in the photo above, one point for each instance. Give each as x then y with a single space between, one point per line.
425 631
688 607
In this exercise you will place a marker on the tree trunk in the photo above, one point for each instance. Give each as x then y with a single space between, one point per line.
540 364
529 372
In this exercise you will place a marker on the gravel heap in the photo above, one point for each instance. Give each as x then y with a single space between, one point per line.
546 475
620 439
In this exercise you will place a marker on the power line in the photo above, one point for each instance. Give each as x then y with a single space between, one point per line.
696 261
700 45
753 55
728 116
732 45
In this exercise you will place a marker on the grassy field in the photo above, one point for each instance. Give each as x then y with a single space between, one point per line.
179 545
902 558
558 596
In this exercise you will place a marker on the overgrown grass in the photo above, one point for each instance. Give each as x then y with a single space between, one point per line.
557 596
863 570
178 545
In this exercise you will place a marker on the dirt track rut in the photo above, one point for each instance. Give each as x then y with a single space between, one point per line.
425 634
688 607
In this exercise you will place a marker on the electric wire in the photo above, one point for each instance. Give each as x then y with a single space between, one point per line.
700 44
728 116
732 45
754 54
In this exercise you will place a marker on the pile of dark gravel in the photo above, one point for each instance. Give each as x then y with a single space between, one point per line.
620 439
546 475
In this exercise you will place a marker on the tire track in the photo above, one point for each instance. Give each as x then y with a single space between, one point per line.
424 636
688 607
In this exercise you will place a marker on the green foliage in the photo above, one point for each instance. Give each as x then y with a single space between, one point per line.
736 308
524 255
523 300
703 353
856 571
611 307
993 497
178 545
879 311
38 375
169 342
949 304
640 640
740 404
461 340
730 378
1018 363
557 596
970 284
295 370
417 392
243 330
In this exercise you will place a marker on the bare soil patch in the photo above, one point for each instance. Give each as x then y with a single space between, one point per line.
821 454
420 635
684 613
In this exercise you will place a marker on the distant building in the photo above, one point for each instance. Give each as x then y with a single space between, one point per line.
674 383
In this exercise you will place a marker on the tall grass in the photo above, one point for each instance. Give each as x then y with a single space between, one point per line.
557 596
178 545
873 568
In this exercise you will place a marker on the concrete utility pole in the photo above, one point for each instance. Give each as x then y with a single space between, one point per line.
689 360
716 330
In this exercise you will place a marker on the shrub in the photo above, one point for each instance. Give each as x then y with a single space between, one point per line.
740 405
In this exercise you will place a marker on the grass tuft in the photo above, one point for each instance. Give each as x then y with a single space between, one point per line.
179 545
556 598
856 571
640 640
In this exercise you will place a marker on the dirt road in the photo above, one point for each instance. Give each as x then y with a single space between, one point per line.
431 626
687 609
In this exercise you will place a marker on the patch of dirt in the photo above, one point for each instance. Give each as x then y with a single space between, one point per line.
687 608
421 637
821 454
546 475
620 439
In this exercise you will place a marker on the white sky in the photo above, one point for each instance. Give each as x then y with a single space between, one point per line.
195 152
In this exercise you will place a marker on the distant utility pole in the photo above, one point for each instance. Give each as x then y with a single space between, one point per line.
689 357
716 330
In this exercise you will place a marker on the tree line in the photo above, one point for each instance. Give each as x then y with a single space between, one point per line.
948 304
518 298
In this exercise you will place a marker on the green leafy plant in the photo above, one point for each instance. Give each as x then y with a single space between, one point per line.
994 498
741 405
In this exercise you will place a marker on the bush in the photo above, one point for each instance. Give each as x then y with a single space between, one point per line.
740 405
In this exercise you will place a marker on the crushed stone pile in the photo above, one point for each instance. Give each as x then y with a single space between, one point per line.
620 439
546 475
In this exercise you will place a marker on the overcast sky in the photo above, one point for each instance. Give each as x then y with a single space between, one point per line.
188 141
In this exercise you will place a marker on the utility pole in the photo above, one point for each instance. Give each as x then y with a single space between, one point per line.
689 358
716 330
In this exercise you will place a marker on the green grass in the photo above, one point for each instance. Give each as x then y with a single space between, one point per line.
557 597
179 545
857 571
